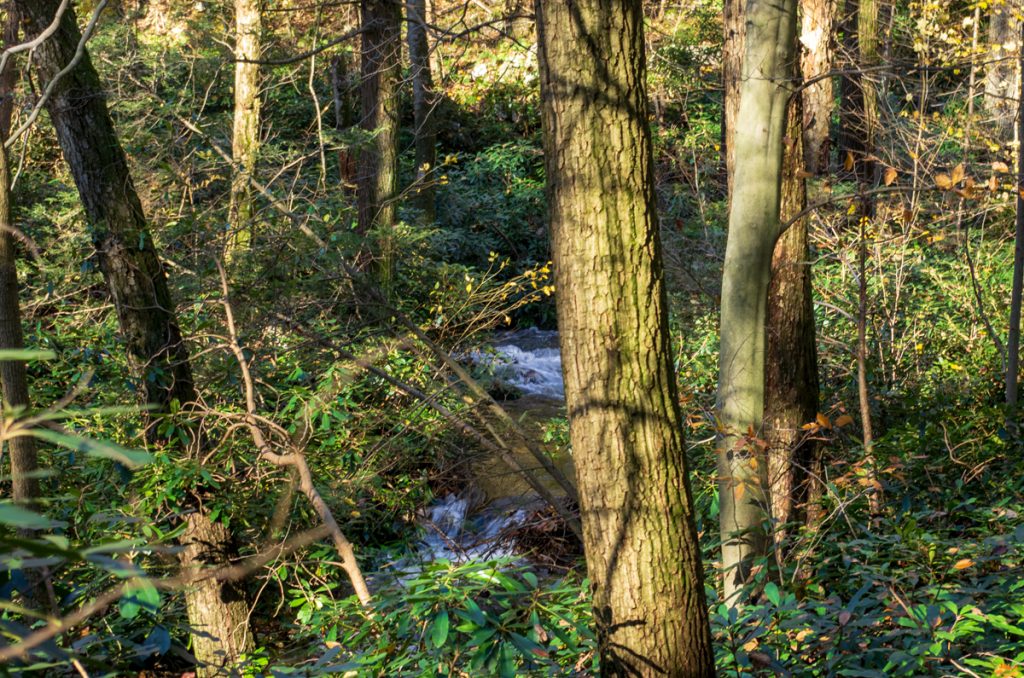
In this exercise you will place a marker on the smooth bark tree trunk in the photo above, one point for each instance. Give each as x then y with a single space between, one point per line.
1002 74
754 223
816 35
791 363
424 101
245 138
639 534
377 181
732 63
1017 288
131 269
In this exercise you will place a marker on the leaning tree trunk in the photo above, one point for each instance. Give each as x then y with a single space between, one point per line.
818 97
639 536
753 228
1002 74
423 102
791 362
133 273
377 181
245 139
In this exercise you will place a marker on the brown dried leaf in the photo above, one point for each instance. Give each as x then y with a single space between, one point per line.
848 163
1000 167
890 175
943 181
958 174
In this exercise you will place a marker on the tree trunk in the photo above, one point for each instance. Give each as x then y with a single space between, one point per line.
639 536
423 102
1017 289
346 115
753 228
378 160
1002 76
791 363
818 98
245 139
24 459
127 256
858 111
732 63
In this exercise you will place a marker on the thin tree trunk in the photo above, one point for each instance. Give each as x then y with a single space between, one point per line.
791 363
133 274
1013 338
639 534
23 453
1002 76
245 139
732 64
345 116
423 102
816 36
378 160
859 107
754 226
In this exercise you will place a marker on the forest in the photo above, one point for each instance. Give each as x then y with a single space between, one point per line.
622 338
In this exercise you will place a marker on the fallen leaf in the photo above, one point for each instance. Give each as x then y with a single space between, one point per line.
890 175
958 174
963 564
943 181
1000 167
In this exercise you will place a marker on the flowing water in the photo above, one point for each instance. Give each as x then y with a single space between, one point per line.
528 360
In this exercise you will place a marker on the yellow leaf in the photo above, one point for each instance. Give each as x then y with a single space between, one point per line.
848 162
958 174
750 645
993 184
943 181
823 421
963 564
890 175
1000 167
843 420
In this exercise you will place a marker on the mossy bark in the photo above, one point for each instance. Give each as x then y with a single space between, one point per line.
639 534
377 180
128 260
754 223
245 138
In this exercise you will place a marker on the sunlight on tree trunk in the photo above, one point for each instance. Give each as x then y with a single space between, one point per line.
816 35
424 100
639 535
1002 74
245 139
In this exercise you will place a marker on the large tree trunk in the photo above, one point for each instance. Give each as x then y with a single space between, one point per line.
641 545
818 97
377 181
791 362
1002 75
753 228
127 256
245 139
423 102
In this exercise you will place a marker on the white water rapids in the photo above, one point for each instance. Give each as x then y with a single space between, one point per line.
530 361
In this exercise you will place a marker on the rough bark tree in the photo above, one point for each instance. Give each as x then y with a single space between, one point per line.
245 138
424 101
816 35
754 225
377 180
1002 75
137 283
1012 376
858 110
791 379
639 535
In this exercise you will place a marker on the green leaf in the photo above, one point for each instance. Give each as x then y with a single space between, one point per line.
140 595
26 354
771 592
19 517
94 448
439 634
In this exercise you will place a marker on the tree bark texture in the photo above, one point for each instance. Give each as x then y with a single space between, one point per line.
1002 75
732 63
759 140
245 138
1017 287
424 100
377 182
639 534
127 256
791 363
816 35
